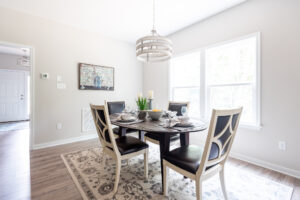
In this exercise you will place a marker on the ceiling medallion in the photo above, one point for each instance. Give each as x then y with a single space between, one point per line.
153 48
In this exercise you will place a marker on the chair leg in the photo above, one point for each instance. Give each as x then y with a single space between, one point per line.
165 179
198 189
146 164
222 180
118 170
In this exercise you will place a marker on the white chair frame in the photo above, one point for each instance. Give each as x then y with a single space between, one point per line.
179 102
217 165
111 148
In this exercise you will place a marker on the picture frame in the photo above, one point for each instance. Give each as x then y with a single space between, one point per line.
96 77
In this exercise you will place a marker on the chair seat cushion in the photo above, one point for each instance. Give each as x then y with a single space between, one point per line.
128 144
186 157
129 130
156 136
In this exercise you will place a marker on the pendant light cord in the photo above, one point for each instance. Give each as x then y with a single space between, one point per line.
153 15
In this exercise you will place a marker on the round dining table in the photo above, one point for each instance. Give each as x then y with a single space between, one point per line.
148 125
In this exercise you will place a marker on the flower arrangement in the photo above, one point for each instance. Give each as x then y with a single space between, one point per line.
142 103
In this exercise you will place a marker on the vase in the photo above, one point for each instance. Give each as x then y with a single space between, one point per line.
142 114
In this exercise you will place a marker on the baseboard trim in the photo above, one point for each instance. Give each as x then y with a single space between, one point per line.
65 141
261 163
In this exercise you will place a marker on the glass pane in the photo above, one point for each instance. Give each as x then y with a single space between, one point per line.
185 70
189 94
234 96
231 63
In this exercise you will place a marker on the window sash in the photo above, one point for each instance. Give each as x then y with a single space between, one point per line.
195 111
204 86
183 87
208 100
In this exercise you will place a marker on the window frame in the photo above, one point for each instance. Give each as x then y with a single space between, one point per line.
204 112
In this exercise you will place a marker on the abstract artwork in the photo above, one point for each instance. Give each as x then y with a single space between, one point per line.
95 77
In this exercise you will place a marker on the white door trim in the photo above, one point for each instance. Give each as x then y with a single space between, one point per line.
32 90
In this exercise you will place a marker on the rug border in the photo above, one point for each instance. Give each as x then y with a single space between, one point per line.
83 195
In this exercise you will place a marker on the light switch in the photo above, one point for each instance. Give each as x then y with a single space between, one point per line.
282 145
61 86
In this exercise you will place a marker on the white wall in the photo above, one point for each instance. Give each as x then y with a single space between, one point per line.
58 50
279 24
155 77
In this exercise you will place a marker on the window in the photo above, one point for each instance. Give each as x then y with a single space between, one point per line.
222 76
185 81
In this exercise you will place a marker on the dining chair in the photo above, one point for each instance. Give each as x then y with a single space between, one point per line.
173 106
199 163
177 106
117 107
121 148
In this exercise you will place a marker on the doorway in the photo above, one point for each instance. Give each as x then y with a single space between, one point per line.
16 119
15 84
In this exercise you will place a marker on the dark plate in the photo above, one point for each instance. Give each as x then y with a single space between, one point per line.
124 121
185 125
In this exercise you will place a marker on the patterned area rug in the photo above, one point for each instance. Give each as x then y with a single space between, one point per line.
94 174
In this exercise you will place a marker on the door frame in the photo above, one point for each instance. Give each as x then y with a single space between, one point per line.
31 86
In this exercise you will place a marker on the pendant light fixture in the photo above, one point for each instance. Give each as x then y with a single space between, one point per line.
153 48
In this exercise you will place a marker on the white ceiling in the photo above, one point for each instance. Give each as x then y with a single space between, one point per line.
126 20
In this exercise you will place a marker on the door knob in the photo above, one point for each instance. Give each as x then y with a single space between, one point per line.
22 97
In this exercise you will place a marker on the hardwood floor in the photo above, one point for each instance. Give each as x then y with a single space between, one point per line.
14 165
50 179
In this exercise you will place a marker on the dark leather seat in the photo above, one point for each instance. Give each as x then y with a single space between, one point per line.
186 157
156 136
128 144
116 130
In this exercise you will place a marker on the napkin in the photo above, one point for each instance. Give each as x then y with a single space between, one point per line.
183 119
126 117
171 122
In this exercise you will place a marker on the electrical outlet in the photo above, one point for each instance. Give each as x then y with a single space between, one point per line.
59 126
282 145
59 78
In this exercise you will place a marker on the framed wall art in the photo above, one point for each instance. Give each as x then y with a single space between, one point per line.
96 77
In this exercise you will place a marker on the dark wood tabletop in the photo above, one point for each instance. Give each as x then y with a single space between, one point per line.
156 127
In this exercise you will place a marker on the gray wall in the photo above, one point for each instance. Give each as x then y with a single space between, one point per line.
279 24
58 50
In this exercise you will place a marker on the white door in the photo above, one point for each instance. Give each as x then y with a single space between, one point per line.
13 95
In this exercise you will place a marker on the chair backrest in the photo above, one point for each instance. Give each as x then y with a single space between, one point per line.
103 126
176 106
115 106
221 133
